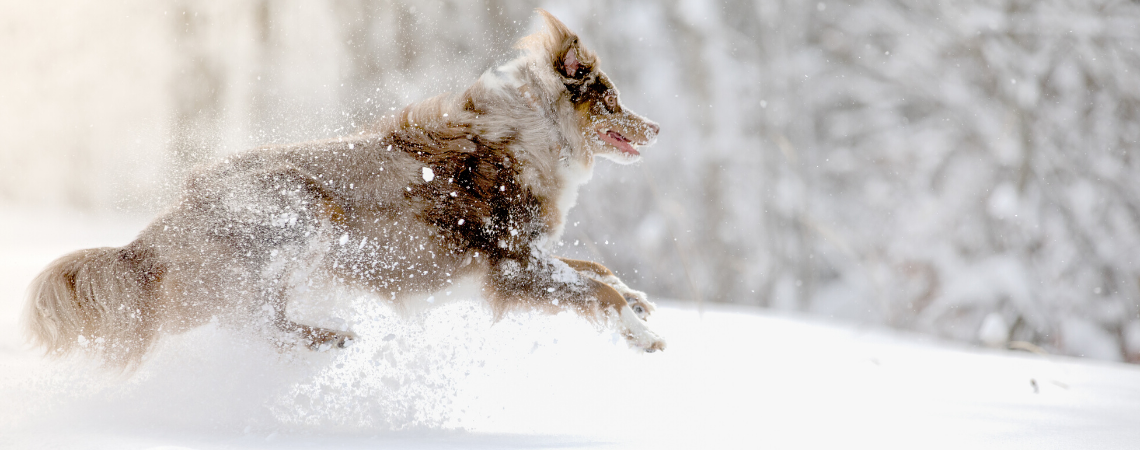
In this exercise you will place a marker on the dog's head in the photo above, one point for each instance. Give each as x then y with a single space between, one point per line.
599 125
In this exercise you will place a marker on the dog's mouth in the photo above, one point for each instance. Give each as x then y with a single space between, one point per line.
617 140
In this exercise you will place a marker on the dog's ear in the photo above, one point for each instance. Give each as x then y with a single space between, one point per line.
570 63
567 56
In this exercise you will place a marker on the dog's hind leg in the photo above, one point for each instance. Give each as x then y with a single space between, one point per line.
313 214
315 338
638 301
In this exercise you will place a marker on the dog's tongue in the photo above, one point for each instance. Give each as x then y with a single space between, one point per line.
619 141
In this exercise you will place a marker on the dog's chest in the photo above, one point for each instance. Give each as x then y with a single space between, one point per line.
571 176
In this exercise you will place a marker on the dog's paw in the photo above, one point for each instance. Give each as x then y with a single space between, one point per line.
645 340
343 340
637 300
659 344
320 339
638 334
639 303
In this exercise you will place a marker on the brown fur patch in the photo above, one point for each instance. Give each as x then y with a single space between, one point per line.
146 269
477 202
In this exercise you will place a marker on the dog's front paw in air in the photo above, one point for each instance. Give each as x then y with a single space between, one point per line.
639 303
637 300
650 345
638 333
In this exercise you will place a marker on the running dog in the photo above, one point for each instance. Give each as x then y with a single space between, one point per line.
474 185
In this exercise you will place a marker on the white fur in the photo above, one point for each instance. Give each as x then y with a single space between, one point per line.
638 331
572 174
503 78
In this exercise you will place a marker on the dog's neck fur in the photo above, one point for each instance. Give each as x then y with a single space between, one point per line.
561 149
511 106
524 81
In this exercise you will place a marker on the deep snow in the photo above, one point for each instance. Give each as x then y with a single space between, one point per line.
449 378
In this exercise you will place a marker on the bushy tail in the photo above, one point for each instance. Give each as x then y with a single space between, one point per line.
102 300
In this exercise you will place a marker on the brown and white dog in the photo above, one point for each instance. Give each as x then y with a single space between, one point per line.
474 185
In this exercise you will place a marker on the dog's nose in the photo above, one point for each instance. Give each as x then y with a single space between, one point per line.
654 128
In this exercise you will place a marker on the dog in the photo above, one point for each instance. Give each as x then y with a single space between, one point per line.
474 185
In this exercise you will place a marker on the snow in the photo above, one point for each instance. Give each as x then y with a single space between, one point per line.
732 377
994 331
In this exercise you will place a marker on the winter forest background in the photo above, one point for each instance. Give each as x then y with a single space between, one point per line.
966 169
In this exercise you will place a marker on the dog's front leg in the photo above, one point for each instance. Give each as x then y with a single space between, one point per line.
638 301
547 286
633 327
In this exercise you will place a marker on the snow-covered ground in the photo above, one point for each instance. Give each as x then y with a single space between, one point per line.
731 378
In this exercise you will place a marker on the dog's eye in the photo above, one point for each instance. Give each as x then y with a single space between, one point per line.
611 101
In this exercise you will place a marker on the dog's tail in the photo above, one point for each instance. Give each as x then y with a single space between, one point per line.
102 300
